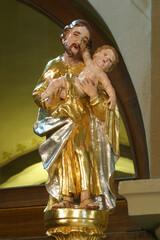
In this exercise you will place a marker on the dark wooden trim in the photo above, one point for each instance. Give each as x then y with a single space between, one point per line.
22 222
65 11
29 221
138 235
30 196
23 197
33 196
30 238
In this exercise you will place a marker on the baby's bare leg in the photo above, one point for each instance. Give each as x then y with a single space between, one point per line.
106 83
50 90
56 83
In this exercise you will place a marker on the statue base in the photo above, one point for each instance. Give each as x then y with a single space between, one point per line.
72 224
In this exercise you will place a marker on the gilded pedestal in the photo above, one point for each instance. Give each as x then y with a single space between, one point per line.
72 224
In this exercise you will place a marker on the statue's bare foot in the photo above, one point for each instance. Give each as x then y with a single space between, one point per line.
88 203
66 203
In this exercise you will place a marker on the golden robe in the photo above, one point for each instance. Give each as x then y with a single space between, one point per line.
82 143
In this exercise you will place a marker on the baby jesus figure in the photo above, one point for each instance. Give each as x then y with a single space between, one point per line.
104 59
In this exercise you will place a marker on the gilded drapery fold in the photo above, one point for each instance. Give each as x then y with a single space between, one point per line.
82 143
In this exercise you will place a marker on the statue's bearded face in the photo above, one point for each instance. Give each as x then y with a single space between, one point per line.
76 41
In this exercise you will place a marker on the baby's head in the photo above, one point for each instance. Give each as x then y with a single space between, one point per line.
106 58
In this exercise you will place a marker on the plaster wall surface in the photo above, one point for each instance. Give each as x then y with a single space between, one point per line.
130 23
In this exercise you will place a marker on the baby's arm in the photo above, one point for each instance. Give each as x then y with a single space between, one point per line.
86 57
89 70
109 90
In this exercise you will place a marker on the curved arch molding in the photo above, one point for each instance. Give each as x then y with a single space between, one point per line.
63 12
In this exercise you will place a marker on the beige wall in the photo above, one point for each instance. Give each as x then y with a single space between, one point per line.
130 24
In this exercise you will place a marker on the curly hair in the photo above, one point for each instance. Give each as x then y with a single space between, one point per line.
77 23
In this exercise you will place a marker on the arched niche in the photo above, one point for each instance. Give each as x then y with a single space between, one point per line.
65 11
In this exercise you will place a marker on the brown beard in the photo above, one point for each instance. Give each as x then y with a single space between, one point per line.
68 50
